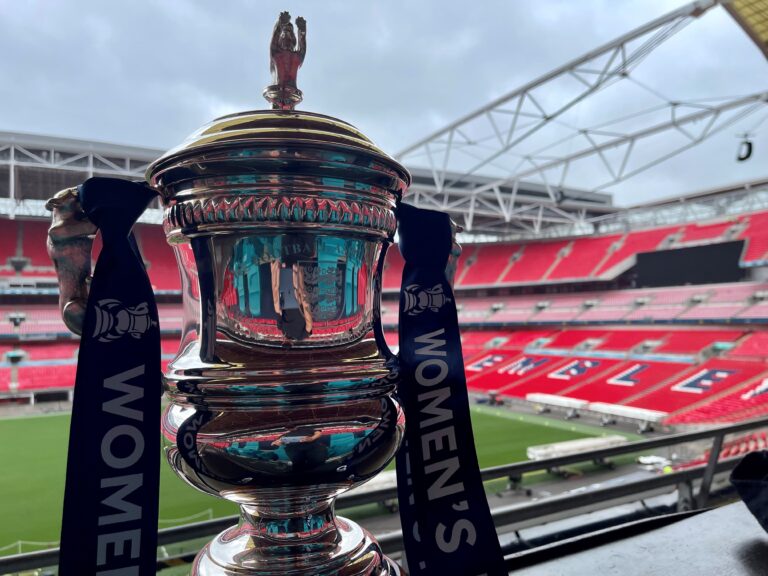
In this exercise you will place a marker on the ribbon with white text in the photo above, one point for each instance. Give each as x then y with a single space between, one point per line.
109 525
447 525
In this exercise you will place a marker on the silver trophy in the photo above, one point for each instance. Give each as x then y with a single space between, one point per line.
280 398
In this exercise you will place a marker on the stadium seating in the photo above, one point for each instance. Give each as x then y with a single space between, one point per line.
695 233
393 269
756 239
536 260
39 319
8 240
753 347
161 263
698 384
625 340
750 398
496 369
634 243
576 259
49 350
474 309
42 377
467 254
625 380
585 255
533 343
474 341
488 264
560 377
5 380
34 237
573 338
694 341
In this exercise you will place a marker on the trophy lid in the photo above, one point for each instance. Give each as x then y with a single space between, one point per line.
280 139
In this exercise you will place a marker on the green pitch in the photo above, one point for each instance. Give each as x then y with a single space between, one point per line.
33 453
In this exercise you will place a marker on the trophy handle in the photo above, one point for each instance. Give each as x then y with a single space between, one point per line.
70 240
378 329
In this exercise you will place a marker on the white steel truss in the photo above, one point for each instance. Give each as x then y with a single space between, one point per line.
20 151
522 139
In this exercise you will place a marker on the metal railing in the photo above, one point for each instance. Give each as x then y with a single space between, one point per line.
504 516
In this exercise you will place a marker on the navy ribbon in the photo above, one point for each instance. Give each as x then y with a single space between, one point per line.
447 525
109 524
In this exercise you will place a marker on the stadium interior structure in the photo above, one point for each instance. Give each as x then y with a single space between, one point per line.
652 318
603 323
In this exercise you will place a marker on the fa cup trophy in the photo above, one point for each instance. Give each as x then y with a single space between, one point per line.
279 398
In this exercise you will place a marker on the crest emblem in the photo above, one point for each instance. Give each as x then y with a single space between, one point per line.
114 320
417 299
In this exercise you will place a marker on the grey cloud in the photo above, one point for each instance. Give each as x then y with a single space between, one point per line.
149 73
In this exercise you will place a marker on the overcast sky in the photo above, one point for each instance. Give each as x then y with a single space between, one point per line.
149 73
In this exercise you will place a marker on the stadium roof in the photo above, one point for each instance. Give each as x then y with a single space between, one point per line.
535 133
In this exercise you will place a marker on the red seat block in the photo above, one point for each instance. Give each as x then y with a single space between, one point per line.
699 383
561 376
627 379
585 255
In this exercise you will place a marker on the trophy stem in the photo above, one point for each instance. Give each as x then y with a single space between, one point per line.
297 541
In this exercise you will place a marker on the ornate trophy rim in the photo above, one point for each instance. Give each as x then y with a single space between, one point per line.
282 134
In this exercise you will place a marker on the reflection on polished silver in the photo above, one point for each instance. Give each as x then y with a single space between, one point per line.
280 398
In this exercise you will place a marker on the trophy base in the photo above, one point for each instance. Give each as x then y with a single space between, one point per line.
240 552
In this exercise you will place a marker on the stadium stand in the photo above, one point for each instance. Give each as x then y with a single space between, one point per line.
47 376
705 232
31 247
698 384
756 237
560 377
161 263
752 347
8 242
584 256
393 269
488 263
625 380
621 350
535 262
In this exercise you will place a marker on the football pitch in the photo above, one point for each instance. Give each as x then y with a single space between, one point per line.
33 452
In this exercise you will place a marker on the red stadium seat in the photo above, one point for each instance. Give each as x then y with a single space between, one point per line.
625 380
694 341
584 257
699 384
748 398
393 269
625 340
9 231
571 338
5 379
634 243
535 261
50 350
161 263
700 232
34 234
561 377
42 377
498 369
753 347
490 262
756 238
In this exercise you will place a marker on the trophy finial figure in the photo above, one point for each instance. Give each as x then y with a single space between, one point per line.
286 54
